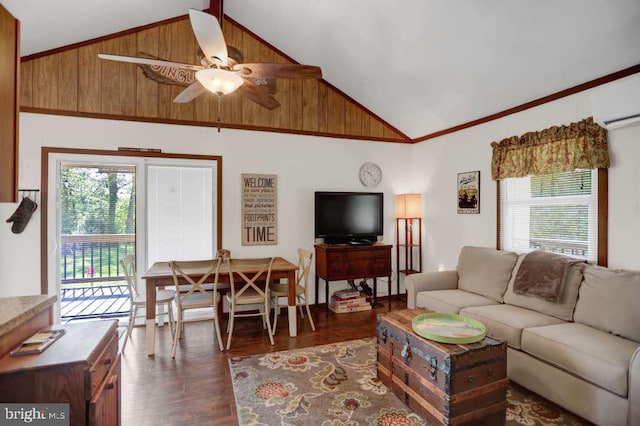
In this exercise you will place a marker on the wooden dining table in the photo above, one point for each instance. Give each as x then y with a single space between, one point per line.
160 275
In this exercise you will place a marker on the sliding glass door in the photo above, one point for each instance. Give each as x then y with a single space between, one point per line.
104 207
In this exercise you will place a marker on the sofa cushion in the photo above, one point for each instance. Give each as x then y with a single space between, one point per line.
450 301
586 352
563 309
608 300
485 271
507 322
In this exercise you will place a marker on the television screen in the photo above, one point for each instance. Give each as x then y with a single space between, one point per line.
342 217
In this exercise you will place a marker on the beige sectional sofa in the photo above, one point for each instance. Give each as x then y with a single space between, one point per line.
582 352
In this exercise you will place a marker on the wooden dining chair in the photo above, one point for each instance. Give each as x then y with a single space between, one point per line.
221 253
253 290
197 296
164 298
279 290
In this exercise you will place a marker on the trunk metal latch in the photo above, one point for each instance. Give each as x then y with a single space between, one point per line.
434 368
406 352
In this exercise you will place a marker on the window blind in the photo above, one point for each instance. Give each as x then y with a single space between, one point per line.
179 213
557 213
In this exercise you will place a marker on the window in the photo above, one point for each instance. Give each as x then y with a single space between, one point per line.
557 212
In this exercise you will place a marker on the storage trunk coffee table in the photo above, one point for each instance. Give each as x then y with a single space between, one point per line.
447 384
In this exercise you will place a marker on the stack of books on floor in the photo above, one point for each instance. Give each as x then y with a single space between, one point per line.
348 300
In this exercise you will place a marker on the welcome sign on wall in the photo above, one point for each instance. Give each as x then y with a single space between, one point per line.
259 209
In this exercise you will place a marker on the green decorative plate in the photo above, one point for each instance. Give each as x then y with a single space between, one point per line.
448 328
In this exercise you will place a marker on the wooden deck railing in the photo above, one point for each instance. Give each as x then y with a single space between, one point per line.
92 258
571 247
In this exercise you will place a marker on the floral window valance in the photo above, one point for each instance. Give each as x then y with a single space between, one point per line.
558 149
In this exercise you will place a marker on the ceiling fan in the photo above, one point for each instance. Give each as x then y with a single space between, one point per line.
221 71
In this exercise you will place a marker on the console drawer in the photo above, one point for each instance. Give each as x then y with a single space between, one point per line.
98 371
336 270
366 254
369 268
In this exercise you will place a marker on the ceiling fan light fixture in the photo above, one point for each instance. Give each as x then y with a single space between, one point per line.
218 81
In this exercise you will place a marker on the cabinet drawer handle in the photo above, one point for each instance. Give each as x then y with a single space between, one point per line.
107 361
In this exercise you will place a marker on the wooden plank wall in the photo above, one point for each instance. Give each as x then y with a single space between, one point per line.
9 75
75 81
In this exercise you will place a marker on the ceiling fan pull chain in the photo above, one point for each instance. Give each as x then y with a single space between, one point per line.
219 96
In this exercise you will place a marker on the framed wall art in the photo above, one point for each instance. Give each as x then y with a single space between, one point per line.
469 192
259 209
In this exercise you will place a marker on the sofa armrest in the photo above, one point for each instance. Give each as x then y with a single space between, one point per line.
440 280
634 389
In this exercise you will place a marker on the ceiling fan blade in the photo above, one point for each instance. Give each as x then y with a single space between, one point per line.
268 70
191 92
209 35
235 55
258 95
146 61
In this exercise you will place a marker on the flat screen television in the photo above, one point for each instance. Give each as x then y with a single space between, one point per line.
349 217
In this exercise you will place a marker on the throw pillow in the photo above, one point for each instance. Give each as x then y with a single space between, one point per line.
485 271
608 300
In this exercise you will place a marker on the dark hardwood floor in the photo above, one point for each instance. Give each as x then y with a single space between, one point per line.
195 387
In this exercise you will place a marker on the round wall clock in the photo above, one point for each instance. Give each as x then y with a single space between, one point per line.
370 174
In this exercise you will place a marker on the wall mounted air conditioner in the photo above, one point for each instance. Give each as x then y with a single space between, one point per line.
617 104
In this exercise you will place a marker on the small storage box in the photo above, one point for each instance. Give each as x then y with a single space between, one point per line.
447 384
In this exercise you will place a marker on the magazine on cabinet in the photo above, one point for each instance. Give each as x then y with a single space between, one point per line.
38 342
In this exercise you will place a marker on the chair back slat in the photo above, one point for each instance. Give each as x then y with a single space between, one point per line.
204 269
304 266
128 264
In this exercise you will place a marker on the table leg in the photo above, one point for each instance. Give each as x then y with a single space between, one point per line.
317 294
150 324
326 293
291 301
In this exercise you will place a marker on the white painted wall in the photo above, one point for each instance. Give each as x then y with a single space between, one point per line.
19 254
436 162
303 165
306 164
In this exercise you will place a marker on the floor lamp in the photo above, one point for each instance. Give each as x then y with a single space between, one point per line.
408 223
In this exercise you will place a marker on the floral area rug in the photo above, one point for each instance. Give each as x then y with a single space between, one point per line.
336 384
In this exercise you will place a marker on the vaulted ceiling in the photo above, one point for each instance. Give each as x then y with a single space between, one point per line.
421 66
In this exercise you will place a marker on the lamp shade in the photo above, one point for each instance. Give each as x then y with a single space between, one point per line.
408 206
220 82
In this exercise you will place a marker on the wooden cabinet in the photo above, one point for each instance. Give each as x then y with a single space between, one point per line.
82 368
344 262
9 105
